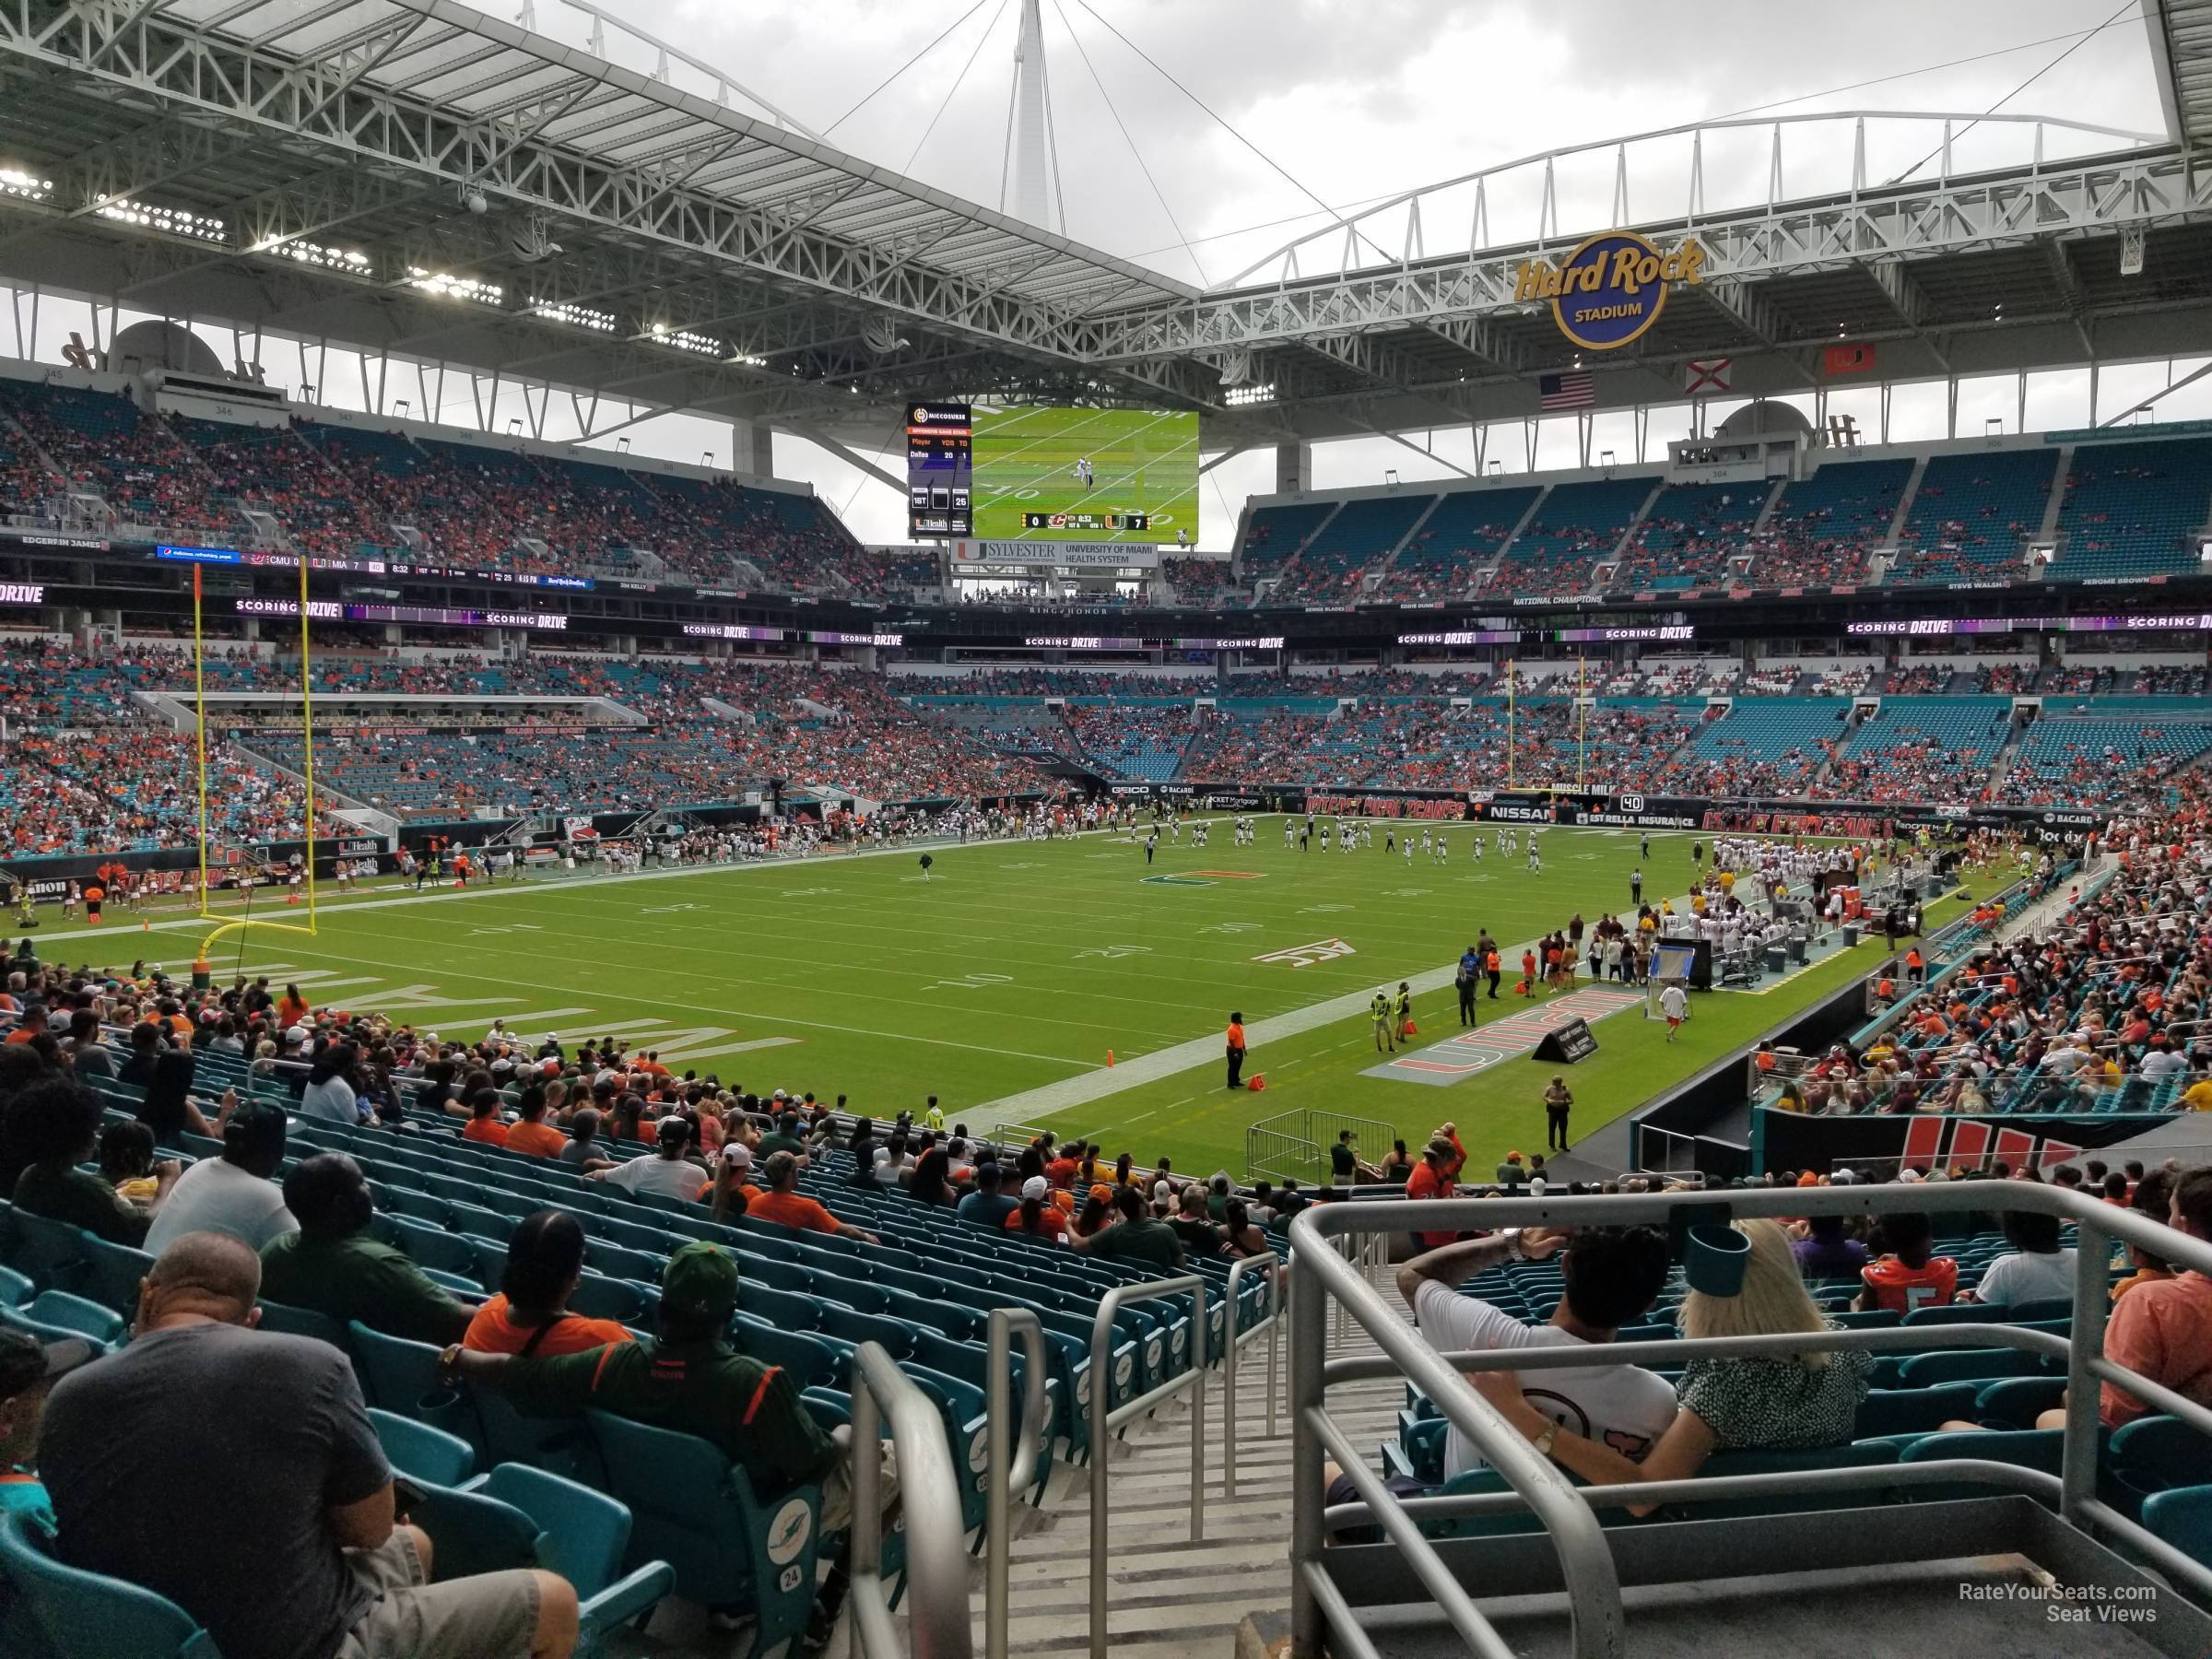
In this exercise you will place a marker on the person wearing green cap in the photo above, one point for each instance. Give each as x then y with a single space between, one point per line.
688 1379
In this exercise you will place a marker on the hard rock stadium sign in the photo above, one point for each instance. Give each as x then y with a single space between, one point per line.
1612 289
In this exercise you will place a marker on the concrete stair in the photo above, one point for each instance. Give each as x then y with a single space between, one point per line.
1168 1597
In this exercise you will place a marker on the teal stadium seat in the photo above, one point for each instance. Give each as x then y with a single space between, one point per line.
2183 1519
422 1453
71 1614
695 1510
402 1377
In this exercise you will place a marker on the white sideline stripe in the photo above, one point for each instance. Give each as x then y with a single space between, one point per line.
710 1013
782 865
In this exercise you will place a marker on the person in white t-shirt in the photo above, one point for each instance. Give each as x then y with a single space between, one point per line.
233 1193
1612 1276
667 1172
1674 1002
2037 1271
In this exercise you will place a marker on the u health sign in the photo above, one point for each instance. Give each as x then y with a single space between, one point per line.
1611 289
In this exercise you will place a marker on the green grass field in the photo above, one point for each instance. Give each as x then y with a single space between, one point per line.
1141 461
1015 966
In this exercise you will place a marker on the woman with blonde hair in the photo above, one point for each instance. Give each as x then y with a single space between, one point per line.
1743 1282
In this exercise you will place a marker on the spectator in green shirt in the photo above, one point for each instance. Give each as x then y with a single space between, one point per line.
332 1266
1136 1238
690 1380
53 1125
784 1137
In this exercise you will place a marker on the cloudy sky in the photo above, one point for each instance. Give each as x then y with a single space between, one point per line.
1216 152
1352 100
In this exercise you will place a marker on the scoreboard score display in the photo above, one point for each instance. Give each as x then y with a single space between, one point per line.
940 469
1086 521
1047 472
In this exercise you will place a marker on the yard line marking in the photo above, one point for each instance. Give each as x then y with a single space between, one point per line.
726 1013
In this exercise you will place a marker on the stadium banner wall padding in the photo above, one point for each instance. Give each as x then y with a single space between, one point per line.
1790 1140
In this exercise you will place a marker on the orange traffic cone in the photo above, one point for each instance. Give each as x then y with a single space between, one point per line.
1109 1059
1257 1083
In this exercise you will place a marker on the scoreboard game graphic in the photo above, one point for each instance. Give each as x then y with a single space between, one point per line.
1047 473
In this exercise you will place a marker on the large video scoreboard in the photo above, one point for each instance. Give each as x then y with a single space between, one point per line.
940 469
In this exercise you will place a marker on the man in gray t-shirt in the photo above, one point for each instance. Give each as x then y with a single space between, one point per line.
233 1193
236 1472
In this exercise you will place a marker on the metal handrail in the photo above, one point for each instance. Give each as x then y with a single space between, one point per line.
1011 1469
1585 1559
1103 1421
1535 1485
1232 1340
936 1565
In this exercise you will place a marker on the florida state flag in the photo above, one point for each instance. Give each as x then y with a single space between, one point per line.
1848 360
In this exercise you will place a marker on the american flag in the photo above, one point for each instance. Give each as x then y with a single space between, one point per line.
1576 389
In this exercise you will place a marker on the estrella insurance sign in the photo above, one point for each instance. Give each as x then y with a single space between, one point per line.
1609 290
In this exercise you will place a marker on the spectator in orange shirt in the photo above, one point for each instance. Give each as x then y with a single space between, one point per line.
291 1007
530 1315
1912 1274
484 1125
2163 1328
732 1192
784 1205
2153 1197
1061 1172
1432 1178
1038 1216
532 1134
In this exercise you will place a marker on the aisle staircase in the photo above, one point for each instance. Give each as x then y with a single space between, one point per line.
1168 1597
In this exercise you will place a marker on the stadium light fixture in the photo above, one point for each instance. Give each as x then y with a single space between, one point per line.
622 446
29 187
1390 478
169 221
1239 397
514 425
577 316
683 340
401 408
351 261
456 288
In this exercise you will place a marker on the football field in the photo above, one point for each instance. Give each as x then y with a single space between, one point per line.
1003 981
1141 461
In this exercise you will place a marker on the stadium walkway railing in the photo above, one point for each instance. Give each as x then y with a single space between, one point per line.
1590 1563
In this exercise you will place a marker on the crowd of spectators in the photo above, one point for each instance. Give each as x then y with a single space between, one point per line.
103 445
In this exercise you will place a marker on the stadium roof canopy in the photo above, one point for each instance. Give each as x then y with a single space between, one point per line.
315 168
